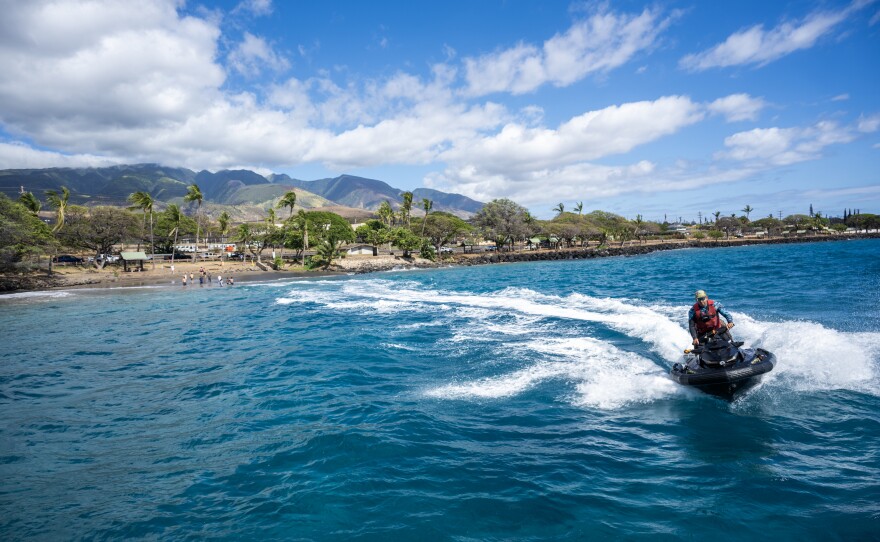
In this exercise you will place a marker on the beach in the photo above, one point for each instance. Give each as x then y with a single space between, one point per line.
112 276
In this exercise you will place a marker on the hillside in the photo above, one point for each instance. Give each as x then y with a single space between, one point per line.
246 193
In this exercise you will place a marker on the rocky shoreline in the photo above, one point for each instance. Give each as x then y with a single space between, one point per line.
581 253
374 264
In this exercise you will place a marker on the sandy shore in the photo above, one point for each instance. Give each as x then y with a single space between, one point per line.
113 276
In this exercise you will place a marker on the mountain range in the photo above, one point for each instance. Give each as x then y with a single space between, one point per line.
246 192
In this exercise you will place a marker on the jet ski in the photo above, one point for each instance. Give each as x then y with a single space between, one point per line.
720 366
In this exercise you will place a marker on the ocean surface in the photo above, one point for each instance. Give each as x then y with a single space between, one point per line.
505 402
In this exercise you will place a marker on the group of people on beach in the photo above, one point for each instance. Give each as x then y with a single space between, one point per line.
204 278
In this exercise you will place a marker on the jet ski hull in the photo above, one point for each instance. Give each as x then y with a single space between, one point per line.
730 379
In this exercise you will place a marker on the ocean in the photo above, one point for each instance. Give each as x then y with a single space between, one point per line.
502 402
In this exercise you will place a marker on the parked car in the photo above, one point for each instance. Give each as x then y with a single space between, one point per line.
491 248
67 258
446 250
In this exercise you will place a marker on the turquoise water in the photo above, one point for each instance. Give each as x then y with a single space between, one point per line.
507 402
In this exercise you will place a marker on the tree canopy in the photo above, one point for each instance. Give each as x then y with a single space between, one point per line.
22 235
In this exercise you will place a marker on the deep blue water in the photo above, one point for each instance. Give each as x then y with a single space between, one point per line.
507 402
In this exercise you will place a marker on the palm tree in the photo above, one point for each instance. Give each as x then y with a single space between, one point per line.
288 200
29 200
145 202
560 208
328 251
59 202
302 219
427 205
579 207
223 221
406 207
717 216
639 222
195 194
386 213
747 210
818 222
176 216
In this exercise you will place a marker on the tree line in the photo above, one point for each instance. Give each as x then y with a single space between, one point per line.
314 238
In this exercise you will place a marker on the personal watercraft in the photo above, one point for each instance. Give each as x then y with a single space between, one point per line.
720 366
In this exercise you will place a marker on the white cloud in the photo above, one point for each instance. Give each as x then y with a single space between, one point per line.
595 134
870 124
840 98
758 46
20 156
737 107
255 7
580 181
600 43
102 65
784 146
252 54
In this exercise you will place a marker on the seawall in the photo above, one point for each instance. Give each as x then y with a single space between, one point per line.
581 253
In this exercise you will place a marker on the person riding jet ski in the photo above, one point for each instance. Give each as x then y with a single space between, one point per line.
704 319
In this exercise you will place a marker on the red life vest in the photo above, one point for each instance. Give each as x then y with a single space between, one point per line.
704 326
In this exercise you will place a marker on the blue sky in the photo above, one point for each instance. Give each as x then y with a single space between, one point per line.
659 109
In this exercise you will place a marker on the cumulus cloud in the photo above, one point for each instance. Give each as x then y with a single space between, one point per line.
756 45
737 107
595 134
17 155
598 44
581 181
784 146
253 54
102 65
254 7
869 124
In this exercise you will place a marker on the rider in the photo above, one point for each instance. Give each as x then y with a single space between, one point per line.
703 319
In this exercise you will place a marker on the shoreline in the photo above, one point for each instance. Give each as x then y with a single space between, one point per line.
75 278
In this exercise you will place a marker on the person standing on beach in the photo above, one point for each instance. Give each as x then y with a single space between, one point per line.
184 279
704 321
219 280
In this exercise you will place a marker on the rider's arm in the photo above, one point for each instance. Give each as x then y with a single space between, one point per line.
724 313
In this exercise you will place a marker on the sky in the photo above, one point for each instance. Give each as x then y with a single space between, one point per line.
665 109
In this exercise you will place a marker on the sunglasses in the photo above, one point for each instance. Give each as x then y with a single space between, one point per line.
701 298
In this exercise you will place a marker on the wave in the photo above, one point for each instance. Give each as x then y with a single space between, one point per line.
605 374
54 294
605 377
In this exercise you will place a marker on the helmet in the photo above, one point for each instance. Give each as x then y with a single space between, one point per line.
699 294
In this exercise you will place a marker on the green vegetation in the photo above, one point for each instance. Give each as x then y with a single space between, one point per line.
98 229
102 229
23 236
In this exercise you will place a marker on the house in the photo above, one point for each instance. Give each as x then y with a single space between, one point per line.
679 228
363 250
